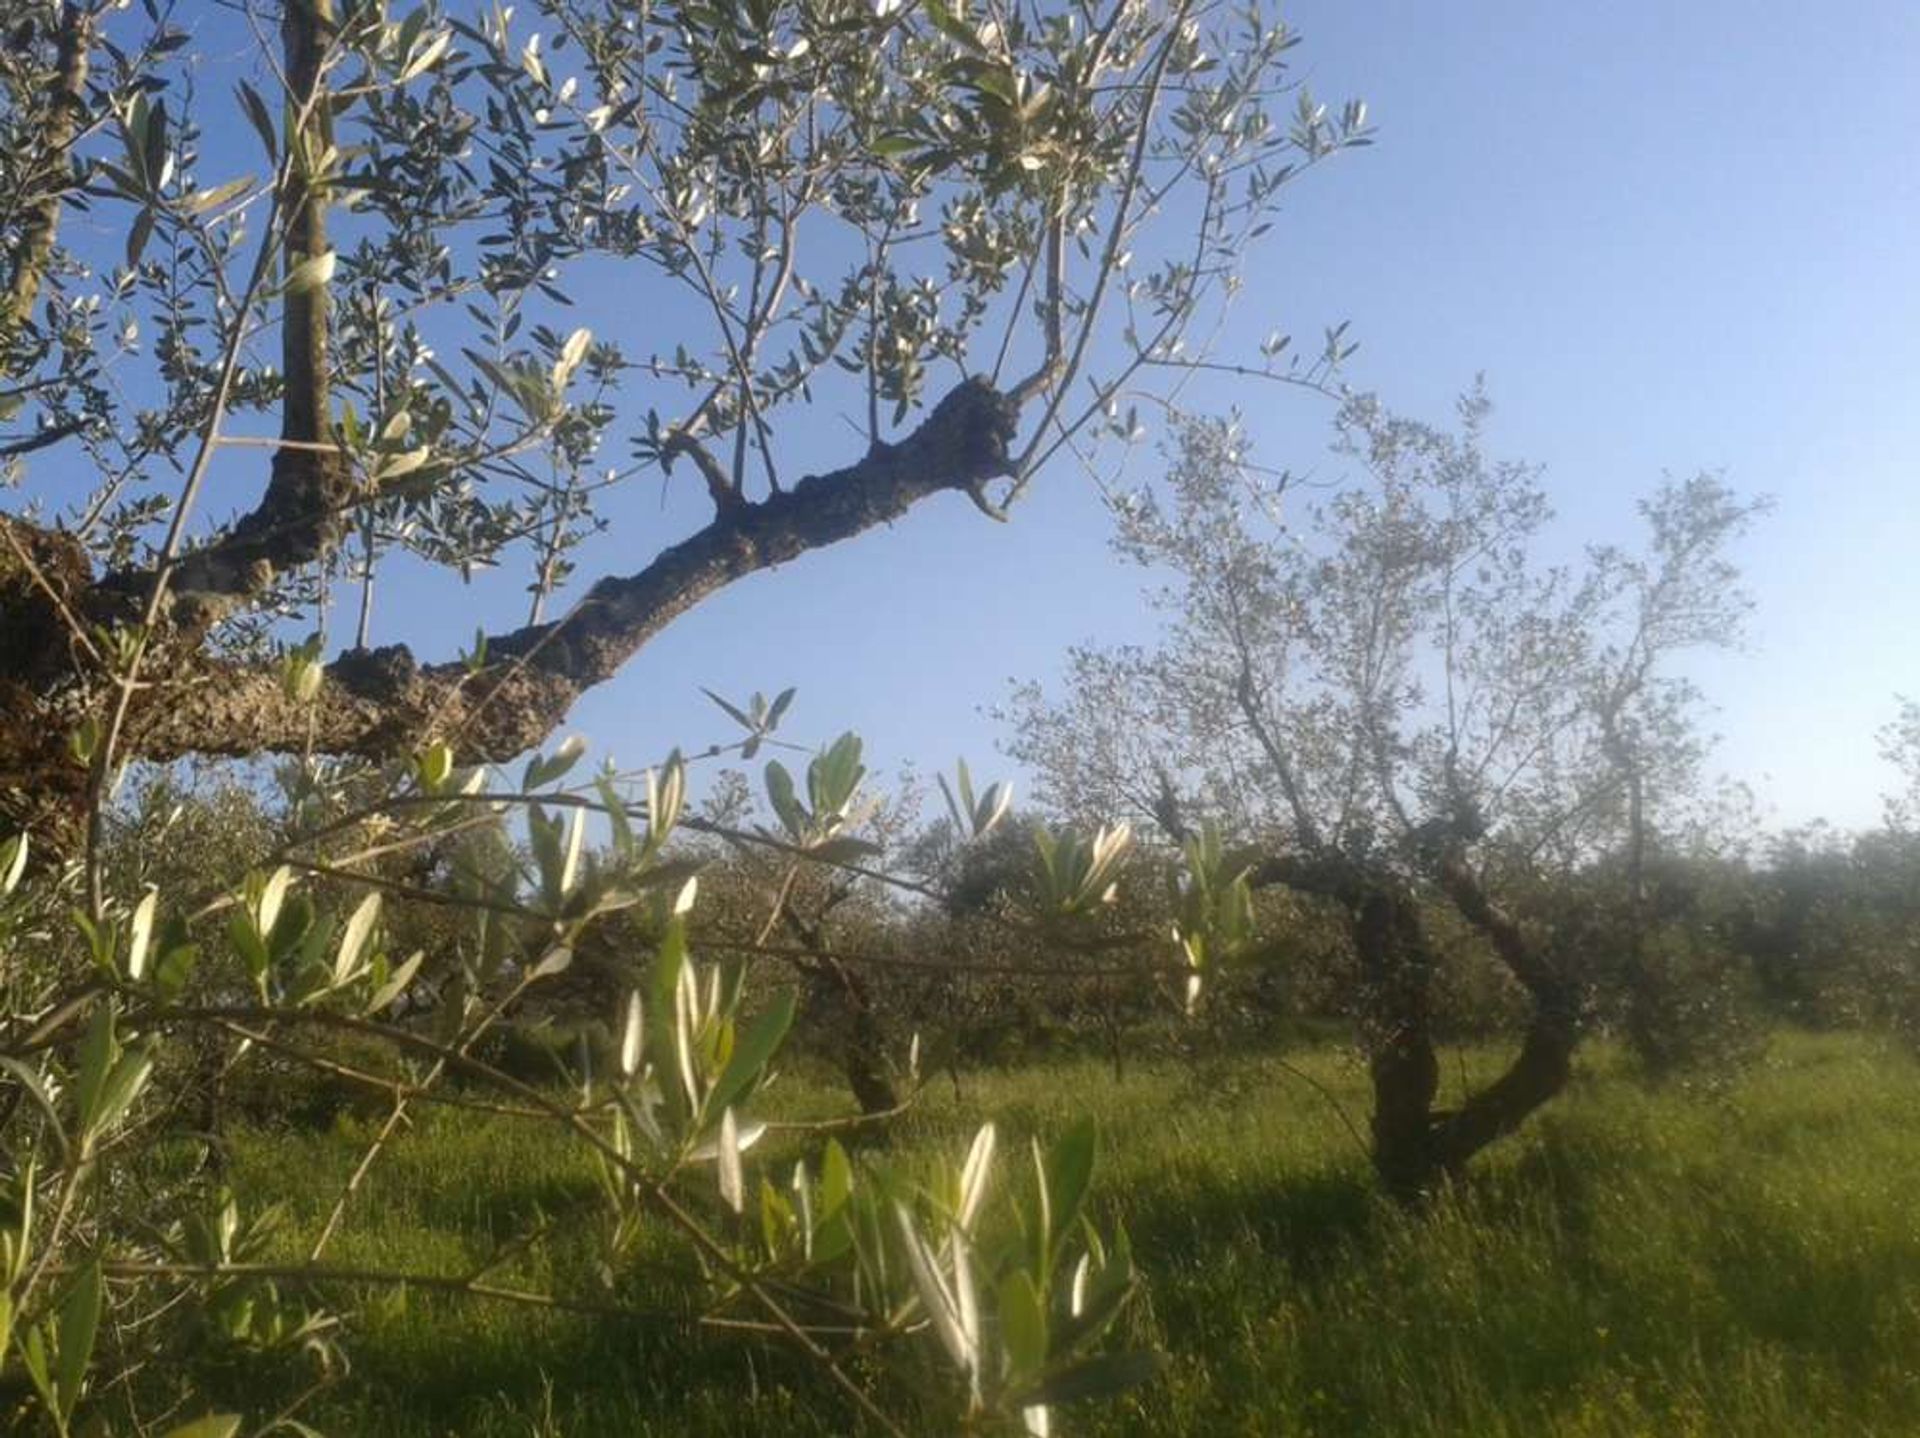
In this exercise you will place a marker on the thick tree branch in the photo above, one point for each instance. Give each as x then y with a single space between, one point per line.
1545 1061
304 415
1537 1074
1511 943
381 703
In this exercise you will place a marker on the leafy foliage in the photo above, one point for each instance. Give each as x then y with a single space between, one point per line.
278 968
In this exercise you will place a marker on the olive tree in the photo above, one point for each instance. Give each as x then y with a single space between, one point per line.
1390 696
941 219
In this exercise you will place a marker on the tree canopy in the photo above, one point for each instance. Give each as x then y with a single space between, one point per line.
1390 693
982 230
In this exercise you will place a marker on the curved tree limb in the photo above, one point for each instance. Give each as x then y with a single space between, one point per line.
383 702
1415 1145
1545 1061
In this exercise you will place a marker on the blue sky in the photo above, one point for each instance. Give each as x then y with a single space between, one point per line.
1673 236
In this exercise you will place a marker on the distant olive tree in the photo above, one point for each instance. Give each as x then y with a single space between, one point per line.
1900 748
1394 699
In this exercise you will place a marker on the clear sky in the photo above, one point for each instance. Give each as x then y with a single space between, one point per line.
1674 236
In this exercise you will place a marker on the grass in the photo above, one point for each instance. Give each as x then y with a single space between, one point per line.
1741 1261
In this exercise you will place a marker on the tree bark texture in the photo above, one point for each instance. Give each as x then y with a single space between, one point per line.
384 703
1418 1147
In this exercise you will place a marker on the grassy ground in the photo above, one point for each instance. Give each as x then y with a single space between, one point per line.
1671 1262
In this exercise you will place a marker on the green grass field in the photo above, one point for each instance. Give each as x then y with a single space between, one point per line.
1740 1261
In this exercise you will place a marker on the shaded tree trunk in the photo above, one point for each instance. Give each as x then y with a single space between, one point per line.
1418 1147
1545 1062
1396 1007
842 1005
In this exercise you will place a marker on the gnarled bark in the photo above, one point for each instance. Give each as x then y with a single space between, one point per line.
376 703
382 703
1545 1061
1416 1146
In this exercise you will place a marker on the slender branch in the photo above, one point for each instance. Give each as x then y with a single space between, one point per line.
1053 311
726 498
105 753
42 438
465 1286
1116 235
649 1184
396 1115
